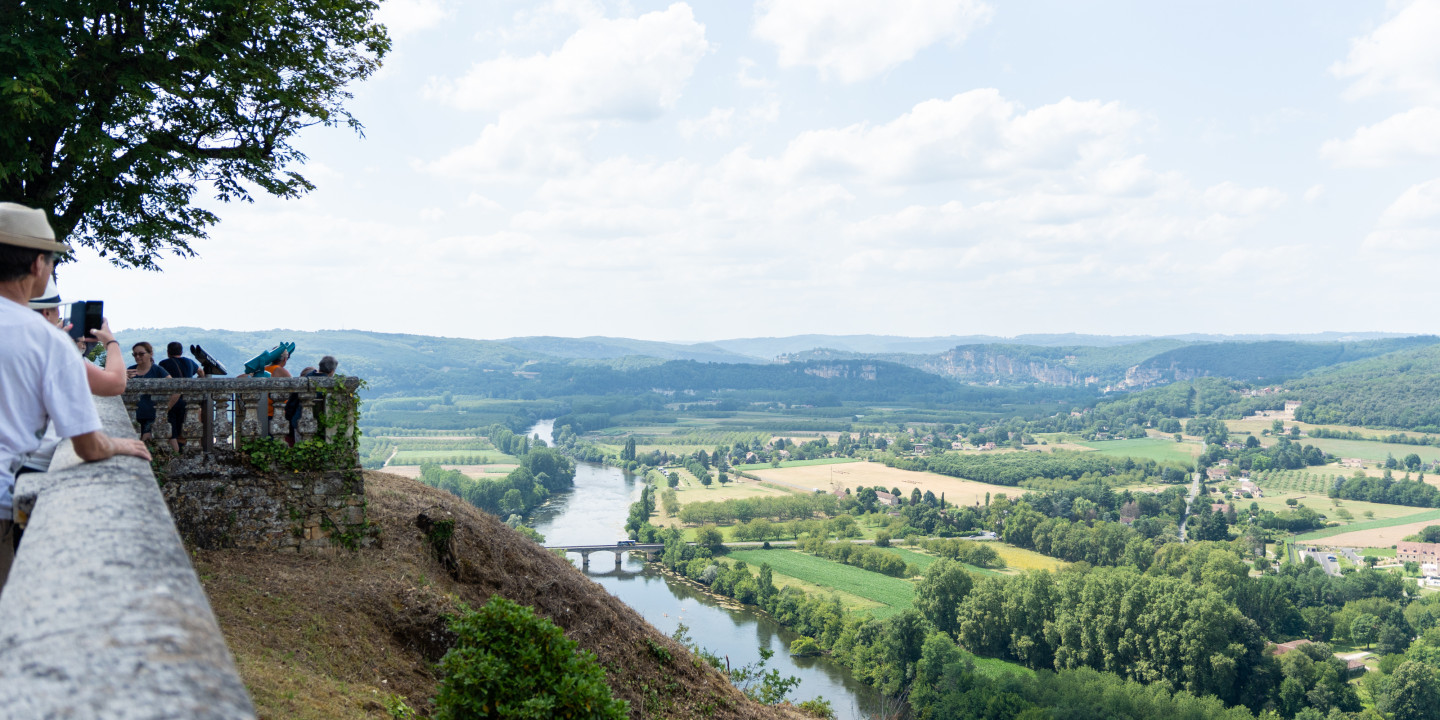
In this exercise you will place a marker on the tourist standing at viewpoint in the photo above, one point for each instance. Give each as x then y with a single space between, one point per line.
42 377
145 367
178 366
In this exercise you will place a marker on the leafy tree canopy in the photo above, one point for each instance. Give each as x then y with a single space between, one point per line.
112 113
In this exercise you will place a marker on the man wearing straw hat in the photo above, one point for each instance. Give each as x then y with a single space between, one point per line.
42 377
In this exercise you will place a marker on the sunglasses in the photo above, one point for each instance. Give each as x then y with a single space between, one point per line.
138 353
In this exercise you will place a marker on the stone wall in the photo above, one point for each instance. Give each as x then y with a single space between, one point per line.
222 502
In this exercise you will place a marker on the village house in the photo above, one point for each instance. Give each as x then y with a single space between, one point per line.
1224 462
1249 486
885 498
1285 647
957 445
1352 462
1215 474
1290 405
1423 553
988 446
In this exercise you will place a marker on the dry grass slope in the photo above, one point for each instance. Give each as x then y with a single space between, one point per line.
337 636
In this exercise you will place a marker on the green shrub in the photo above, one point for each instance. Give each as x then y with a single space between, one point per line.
804 647
508 663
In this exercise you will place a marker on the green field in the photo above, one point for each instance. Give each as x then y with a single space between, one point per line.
1372 452
894 594
924 561
488 457
1372 525
798 463
1158 449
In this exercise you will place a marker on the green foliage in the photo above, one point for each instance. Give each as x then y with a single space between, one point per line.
1400 390
115 110
509 663
804 647
817 707
768 687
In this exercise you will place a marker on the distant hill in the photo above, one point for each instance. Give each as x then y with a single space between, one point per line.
1271 361
388 361
1400 390
597 348
767 348
1014 364
410 364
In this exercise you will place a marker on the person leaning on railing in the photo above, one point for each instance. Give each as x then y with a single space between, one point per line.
42 378
107 382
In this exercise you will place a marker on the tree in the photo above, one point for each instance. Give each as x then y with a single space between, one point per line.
1410 693
708 536
1364 628
116 112
673 479
939 592
1412 462
509 663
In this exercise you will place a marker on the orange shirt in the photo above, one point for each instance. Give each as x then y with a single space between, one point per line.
275 371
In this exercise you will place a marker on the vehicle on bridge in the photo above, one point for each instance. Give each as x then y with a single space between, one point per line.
625 542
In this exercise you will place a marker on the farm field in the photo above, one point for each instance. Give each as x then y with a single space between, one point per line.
1150 448
486 457
1376 533
471 471
1017 558
893 594
924 561
1274 501
1254 426
798 463
693 491
1372 452
852 475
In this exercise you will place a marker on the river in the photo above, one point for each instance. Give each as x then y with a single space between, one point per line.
594 513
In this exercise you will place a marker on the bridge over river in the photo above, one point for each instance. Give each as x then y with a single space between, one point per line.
620 548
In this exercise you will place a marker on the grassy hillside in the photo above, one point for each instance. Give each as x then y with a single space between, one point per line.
1274 360
1400 390
342 636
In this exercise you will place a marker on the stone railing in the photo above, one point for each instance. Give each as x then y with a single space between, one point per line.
103 615
224 411
225 492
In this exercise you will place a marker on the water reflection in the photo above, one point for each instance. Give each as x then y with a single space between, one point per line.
595 511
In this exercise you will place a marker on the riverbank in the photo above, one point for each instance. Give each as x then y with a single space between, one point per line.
352 635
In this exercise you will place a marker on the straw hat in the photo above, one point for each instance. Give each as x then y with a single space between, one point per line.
23 227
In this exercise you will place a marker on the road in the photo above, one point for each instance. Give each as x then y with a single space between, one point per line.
1194 490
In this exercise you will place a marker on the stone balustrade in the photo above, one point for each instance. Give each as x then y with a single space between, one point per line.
103 615
224 492
222 412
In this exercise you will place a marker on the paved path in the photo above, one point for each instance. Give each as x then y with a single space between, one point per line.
1194 490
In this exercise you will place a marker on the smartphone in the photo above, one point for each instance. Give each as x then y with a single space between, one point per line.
86 316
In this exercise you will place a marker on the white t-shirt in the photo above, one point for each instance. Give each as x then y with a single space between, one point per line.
42 379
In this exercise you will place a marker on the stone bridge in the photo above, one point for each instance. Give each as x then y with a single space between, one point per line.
650 549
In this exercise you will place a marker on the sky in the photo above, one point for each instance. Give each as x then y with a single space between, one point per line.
710 169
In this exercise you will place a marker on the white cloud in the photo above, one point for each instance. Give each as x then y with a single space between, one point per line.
1411 223
977 134
1407 136
717 124
616 69
484 203
513 147
745 79
407 17
1315 194
1401 56
1232 199
852 40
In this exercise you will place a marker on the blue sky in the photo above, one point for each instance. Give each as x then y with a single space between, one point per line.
701 170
